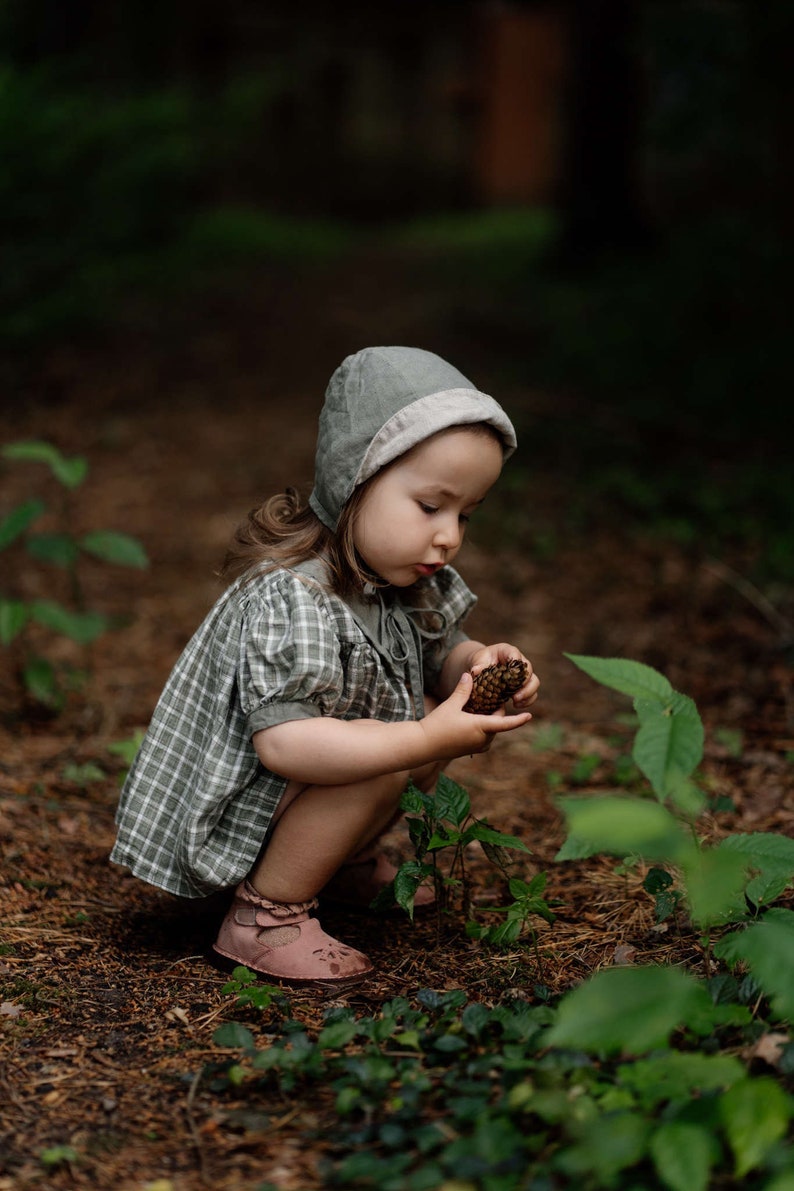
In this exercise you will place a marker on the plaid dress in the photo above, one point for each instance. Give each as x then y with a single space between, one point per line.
197 803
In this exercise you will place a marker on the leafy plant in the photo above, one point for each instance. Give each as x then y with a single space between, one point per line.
443 822
440 1091
726 883
63 549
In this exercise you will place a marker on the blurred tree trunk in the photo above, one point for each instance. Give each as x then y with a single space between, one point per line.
600 199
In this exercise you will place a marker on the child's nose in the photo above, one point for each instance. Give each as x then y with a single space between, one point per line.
448 534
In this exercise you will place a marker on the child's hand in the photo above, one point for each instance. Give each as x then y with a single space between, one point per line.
453 732
489 655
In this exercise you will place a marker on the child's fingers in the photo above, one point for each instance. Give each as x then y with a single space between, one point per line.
506 723
462 691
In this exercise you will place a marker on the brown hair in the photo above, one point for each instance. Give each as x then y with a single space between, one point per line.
284 532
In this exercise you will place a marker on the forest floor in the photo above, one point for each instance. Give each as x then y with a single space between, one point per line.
108 1002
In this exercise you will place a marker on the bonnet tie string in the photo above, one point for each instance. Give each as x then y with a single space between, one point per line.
397 623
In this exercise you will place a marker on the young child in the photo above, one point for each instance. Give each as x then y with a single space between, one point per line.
329 673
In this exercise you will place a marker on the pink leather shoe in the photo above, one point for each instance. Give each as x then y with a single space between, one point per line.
359 882
280 940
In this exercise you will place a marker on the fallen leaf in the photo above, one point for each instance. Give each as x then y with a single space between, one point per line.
769 1048
10 1009
179 1015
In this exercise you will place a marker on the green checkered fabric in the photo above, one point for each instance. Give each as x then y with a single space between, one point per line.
197 803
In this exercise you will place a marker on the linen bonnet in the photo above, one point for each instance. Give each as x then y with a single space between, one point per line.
380 403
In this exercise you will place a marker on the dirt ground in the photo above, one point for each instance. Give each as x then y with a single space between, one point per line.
107 1000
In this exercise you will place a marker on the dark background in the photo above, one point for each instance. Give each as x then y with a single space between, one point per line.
595 195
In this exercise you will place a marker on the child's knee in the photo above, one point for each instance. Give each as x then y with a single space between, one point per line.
384 793
426 777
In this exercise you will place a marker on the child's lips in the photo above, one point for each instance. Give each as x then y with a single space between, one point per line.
429 568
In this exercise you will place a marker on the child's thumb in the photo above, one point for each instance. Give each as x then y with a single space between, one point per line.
463 689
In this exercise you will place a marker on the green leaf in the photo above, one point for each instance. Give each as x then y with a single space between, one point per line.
443 839
70 472
755 1115
452 801
656 880
89 771
57 548
607 1145
781 1182
669 745
685 796
684 1155
119 548
574 848
337 1035
82 627
675 1076
407 880
234 1035
527 889
501 935
629 677
13 618
768 948
485 834
624 1009
58 1156
18 521
714 881
40 682
624 826
411 801
772 855
127 749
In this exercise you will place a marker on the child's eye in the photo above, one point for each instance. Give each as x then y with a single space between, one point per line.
427 508
465 518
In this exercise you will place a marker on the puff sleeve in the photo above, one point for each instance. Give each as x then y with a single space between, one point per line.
290 655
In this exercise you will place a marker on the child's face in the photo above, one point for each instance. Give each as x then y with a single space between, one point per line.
413 517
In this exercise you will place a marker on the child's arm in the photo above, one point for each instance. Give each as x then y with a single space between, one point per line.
329 752
474 656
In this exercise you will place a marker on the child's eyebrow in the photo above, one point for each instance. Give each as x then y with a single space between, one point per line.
451 494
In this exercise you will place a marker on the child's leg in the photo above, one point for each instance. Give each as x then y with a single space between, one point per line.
268 926
320 829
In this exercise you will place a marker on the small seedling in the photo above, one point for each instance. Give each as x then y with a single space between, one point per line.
250 992
443 822
58 1156
528 902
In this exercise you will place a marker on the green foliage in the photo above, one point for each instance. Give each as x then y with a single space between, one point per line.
669 744
767 949
62 550
55 1156
443 822
439 1091
722 883
625 1010
250 991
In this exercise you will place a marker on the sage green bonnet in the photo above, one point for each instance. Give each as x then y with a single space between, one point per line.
380 403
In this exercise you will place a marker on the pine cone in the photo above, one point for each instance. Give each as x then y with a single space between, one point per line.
494 685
